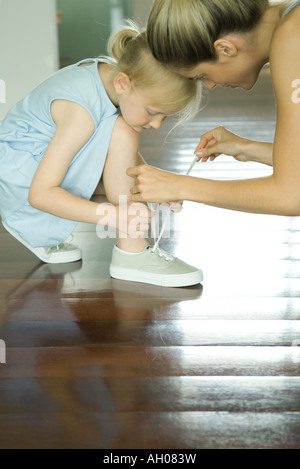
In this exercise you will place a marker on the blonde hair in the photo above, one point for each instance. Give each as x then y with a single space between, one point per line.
170 91
182 33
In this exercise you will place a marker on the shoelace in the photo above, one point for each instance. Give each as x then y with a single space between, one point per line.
63 245
161 253
156 241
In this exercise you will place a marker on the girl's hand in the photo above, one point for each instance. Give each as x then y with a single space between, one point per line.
134 219
221 141
130 219
176 206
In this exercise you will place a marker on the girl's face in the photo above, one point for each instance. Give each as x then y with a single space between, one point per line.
138 111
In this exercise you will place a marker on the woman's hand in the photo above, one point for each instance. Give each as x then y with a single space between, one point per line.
154 185
221 141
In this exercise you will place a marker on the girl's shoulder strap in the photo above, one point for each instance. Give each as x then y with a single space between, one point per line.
290 8
101 58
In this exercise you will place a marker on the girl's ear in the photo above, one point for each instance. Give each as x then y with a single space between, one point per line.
121 82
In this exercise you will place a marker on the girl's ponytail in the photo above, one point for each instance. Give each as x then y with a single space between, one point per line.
118 41
129 50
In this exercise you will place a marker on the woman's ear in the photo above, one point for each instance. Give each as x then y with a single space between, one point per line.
121 82
225 47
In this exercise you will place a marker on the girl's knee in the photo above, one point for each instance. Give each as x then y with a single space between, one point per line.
122 129
122 153
124 138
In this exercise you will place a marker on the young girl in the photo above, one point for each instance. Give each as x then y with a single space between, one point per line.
227 42
66 134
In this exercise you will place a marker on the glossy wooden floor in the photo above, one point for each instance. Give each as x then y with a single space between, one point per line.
96 363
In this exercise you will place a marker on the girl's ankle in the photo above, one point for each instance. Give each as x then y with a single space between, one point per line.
132 245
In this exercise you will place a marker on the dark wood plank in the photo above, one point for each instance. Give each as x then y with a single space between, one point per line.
149 333
92 361
163 430
150 394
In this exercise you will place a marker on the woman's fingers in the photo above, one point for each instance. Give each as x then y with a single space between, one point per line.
216 142
208 148
134 171
153 184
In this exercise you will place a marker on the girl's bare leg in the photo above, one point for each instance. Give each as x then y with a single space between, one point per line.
123 153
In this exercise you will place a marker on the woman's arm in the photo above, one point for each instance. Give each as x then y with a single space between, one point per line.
221 141
277 194
157 186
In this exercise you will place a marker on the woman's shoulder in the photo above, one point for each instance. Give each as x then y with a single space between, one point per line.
285 43
284 53
287 29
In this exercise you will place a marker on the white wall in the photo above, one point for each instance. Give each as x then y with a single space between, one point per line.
141 10
28 47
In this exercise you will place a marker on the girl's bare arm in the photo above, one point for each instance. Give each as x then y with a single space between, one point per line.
74 127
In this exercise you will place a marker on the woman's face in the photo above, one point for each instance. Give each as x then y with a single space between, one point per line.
213 75
235 68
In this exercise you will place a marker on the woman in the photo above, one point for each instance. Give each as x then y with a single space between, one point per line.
227 42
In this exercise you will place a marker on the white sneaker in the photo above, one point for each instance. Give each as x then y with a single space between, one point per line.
156 267
63 253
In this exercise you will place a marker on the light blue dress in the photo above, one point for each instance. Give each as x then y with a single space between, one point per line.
25 134
290 8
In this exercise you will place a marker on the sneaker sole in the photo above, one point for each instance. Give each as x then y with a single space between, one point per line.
184 280
58 259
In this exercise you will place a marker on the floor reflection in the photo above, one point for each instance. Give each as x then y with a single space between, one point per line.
47 294
46 313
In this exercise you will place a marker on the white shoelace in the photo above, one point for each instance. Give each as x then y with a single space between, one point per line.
161 253
156 241
65 245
